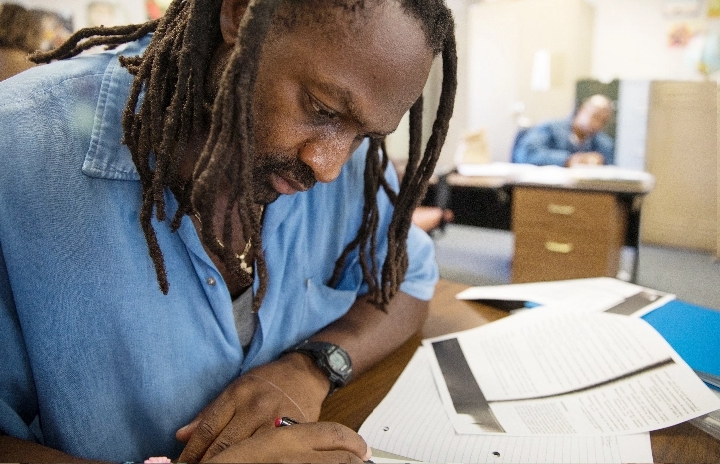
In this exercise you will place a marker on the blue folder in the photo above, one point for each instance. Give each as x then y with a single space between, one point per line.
694 332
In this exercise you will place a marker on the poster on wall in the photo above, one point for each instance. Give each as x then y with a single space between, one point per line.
681 34
713 9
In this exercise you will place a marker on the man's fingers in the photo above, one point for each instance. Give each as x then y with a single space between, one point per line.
206 427
331 436
305 442
250 402
183 434
231 434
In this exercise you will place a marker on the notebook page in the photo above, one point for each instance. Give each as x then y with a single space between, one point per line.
411 421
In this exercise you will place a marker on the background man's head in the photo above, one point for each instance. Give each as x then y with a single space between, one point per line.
593 115
19 28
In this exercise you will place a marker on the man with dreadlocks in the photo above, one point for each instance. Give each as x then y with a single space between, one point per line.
200 232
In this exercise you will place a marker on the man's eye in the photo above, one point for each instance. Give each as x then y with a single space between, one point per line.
322 110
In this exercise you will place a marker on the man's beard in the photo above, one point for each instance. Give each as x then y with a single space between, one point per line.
287 167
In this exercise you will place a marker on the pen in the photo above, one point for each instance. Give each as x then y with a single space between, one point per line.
285 421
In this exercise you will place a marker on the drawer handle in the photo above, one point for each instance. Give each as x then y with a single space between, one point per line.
565 210
557 247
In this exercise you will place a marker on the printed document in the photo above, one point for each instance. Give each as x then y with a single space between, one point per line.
411 421
587 295
565 373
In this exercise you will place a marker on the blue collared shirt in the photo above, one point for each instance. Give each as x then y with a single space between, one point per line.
96 361
551 143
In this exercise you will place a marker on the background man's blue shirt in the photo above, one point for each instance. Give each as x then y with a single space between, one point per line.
96 360
551 143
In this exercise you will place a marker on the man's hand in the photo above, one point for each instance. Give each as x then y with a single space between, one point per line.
587 158
312 442
291 386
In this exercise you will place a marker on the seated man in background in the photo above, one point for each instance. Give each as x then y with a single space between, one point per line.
570 142
20 34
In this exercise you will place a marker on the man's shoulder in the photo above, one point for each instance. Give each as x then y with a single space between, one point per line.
55 79
551 127
78 101
559 124
42 94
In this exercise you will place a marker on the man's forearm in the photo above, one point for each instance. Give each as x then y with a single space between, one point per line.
369 334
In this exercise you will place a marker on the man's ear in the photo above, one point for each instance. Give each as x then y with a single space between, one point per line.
231 13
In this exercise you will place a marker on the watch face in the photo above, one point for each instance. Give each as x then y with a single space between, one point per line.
338 362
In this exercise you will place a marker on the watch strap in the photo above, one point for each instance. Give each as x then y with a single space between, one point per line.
330 358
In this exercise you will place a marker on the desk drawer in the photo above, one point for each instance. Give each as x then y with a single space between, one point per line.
535 207
553 254
566 234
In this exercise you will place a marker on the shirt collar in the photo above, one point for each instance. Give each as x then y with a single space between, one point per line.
108 157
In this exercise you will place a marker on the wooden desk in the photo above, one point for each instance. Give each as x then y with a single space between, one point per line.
354 403
566 234
489 201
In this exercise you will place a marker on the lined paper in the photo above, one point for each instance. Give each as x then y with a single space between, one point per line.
411 421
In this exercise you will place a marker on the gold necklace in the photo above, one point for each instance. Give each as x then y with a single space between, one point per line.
241 257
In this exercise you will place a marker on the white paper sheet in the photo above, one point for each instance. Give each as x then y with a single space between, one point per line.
538 355
587 295
411 421
576 373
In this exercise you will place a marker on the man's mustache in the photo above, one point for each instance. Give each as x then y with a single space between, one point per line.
288 168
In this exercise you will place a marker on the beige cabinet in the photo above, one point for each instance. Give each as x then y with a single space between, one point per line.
566 234
681 152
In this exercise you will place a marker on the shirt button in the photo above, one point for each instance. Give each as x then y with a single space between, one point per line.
210 281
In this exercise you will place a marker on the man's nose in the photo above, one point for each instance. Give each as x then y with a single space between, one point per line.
326 156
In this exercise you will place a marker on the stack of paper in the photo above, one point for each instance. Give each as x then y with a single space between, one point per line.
411 421
694 332
611 177
709 423
540 373
586 295
554 384
591 177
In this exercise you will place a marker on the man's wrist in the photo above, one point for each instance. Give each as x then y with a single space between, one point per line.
330 359
314 377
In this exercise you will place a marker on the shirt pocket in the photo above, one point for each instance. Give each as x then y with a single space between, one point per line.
323 305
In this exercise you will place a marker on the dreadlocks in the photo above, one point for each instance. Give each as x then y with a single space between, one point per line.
173 71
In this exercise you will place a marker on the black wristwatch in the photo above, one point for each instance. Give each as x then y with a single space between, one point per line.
332 359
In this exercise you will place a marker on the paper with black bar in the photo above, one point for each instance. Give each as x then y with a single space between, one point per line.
411 421
588 295
565 373
465 393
